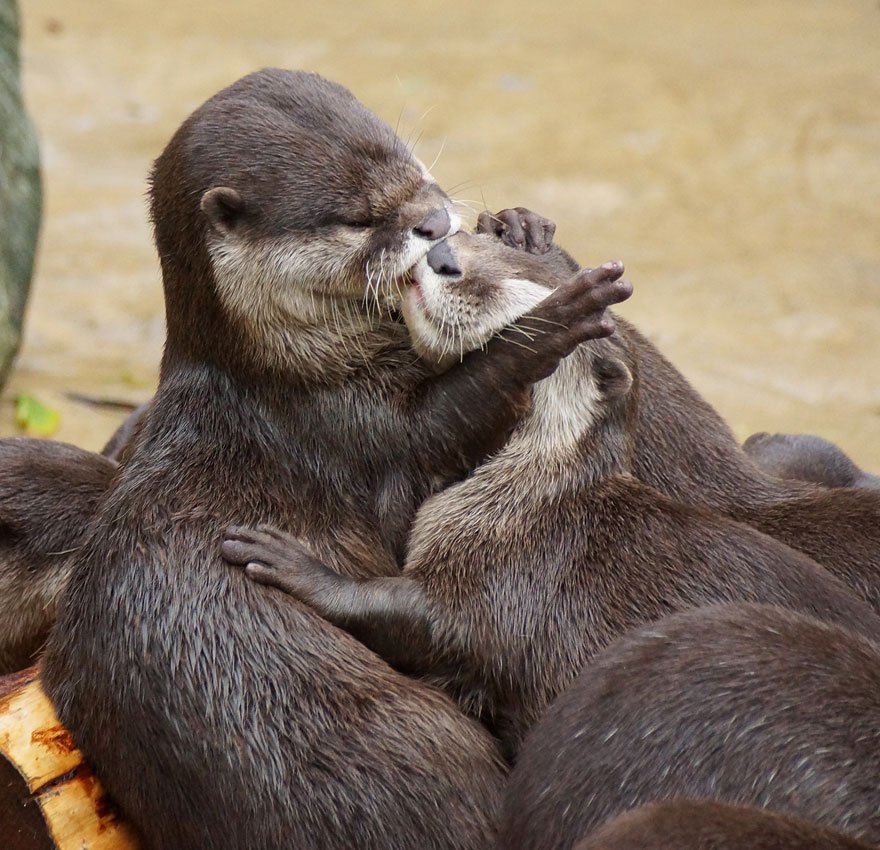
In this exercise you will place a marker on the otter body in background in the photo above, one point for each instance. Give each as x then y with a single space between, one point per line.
744 704
684 449
220 716
518 575
804 457
706 825
49 493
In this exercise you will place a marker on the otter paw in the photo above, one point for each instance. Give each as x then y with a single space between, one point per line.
270 556
519 228
576 312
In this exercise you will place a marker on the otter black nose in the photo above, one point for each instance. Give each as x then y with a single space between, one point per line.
435 226
442 260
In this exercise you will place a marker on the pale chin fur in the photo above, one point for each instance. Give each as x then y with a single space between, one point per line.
289 279
443 333
565 404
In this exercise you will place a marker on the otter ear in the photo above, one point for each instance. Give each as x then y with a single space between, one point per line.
613 377
223 208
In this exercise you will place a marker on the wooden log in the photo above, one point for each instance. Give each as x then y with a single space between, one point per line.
49 797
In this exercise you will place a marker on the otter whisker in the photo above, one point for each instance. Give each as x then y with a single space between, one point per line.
439 153
465 184
523 331
547 322
514 342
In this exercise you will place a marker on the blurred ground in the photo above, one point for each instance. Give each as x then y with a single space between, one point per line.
729 152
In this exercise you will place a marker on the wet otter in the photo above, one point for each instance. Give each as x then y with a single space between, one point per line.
48 494
218 715
745 704
804 457
706 825
516 576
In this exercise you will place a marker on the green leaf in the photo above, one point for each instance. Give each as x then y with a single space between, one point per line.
34 418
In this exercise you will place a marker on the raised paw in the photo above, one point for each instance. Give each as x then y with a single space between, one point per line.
519 228
574 313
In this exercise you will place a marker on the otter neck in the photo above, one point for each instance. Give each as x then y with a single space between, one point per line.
572 436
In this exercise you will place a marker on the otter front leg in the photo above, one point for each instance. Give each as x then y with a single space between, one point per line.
389 615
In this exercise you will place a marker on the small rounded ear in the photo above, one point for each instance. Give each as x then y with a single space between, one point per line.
613 377
222 207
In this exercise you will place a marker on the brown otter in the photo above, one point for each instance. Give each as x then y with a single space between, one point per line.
804 457
707 825
220 716
516 576
745 704
683 448
48 494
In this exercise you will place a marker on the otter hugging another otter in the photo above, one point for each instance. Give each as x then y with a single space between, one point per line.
288 220
219 715
550 549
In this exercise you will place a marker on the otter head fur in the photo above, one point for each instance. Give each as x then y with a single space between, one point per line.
286 215
470 287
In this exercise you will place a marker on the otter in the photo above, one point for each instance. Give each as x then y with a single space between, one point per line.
518 575
48 494
804 457
707 825
745 704
218 715
684 449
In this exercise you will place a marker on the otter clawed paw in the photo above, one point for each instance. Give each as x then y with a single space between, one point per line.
576 312
519 228
271 557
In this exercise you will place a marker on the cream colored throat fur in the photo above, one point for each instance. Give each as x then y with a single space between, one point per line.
446 324
314 303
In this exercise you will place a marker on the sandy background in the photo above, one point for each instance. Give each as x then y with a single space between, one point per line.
729 152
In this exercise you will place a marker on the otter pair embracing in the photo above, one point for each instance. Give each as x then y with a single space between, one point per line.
518 575
217 713
220 715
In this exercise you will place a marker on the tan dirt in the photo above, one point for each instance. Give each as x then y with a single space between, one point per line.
729 152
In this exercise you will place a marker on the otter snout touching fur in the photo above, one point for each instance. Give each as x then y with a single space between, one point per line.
744 704
516 576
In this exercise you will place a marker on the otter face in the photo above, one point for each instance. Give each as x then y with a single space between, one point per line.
300 195
465 290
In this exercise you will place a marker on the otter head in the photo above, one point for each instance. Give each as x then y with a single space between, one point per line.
470 287
284 208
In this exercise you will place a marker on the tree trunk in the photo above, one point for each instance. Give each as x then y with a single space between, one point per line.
20 191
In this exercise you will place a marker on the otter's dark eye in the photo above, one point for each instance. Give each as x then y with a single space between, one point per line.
356 223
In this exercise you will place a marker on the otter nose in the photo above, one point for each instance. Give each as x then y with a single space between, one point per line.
442 260
436 225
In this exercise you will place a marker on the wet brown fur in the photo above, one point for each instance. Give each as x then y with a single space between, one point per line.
706 825
744 704
49 493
